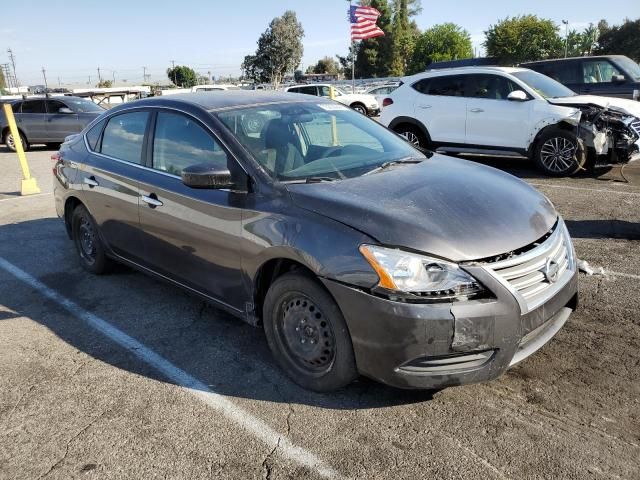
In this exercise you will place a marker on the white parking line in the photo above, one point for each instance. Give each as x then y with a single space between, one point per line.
216 401
600 190
23 197
620 274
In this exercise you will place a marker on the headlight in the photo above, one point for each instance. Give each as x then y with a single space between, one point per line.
419 275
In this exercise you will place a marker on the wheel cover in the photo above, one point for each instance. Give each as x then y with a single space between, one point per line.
558 154
360 109
10 142
306 334
87 240
411 137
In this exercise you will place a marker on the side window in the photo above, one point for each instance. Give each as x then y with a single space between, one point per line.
33 106
123 136
294 90
54 105
93 135
491 87
180 142
422 86
324 91
16 107
310 90
450 86
595 71
563 72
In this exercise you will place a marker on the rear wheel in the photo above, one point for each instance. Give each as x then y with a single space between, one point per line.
558 153
11 143
413 135
307 334
53 145
88 244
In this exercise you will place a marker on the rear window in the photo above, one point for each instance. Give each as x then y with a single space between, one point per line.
33 106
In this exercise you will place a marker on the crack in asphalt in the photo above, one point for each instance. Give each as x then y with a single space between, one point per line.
66 451
266 463
15 406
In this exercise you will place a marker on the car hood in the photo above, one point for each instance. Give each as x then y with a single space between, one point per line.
623 105
450 208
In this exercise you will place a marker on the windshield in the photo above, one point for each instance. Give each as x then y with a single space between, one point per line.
81 105
544 86
315 141
629 66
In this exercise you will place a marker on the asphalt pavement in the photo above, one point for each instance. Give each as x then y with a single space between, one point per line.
122 376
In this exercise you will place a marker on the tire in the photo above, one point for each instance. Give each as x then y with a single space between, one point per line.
307 334
88 244
8 141
53 145
360 108
558 153
413 135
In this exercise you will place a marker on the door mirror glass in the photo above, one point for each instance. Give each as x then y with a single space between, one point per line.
66 110
618 79
206 175
517 96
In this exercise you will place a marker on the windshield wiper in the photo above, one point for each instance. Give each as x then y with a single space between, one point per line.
319 179
385 165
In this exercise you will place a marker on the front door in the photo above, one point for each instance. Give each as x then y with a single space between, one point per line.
598 75
59 125
191 235
492 120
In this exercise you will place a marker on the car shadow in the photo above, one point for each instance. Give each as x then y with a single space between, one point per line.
221 351
595 229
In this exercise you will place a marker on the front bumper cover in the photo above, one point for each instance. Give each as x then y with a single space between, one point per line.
430 346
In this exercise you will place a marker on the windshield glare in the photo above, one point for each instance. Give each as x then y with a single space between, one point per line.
544 86
300 141
628 65
80 105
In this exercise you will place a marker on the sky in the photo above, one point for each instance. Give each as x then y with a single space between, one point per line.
71 39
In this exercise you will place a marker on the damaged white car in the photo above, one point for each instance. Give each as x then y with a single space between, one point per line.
514 112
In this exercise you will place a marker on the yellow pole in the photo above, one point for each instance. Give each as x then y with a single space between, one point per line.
29 184
334 127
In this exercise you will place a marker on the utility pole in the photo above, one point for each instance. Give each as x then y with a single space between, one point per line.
144 74
89 82
566 37
44 75
173 66
59 82
113 72
13 65
99 76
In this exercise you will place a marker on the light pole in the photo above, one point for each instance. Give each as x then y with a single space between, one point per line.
566 37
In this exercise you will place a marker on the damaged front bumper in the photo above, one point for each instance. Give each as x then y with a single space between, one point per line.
435 345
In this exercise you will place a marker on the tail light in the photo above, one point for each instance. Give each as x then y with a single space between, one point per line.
56 157
386 102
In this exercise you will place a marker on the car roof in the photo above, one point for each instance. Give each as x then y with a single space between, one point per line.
229 99
462 70
552 60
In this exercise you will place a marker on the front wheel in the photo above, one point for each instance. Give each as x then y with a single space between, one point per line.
558 153
88 244
358 107
307 334
412 135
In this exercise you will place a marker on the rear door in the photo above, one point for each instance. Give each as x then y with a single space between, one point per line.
442 107
567 72
191 235
492 120
110 179
59 125
32 120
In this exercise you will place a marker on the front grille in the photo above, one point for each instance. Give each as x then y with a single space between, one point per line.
535 276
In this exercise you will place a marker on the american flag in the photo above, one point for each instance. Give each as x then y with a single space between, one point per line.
363 23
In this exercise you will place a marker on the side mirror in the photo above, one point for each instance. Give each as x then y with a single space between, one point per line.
66 110
206 175
618 79
518 96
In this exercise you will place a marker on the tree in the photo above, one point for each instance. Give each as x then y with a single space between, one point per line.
326 65
582 43
523 38
182 76
374 55
404 32
279 50
3 85
621 39
105 84
347 61
446 41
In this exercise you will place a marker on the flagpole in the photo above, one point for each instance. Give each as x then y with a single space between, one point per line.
353 56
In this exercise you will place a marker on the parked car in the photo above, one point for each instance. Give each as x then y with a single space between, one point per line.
513 111
360 102
214 88
356 252
381 92
606 75
48 120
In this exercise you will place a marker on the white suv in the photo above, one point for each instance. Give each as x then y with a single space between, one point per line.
360 102
513 111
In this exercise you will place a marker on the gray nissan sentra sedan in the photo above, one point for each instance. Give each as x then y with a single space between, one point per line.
356 253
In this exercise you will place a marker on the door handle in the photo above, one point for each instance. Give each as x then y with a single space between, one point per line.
91 181
424 106
476 110
152 200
